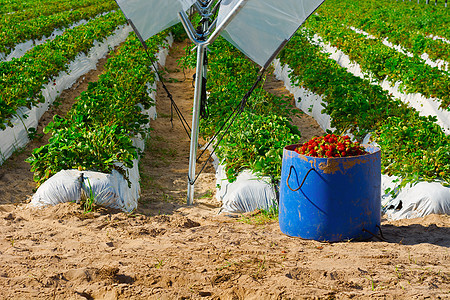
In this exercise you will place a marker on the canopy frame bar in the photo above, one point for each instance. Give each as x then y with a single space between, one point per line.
201 44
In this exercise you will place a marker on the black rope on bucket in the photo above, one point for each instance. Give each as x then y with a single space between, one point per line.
304 178
381 232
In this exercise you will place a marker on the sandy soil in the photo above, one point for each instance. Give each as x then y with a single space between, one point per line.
167 250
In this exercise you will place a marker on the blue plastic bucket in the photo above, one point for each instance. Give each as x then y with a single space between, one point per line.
330 199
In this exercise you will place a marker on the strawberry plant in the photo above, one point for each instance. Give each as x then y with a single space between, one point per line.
256 142
397 22
42 21
383 62
97 132
416 150
82 146
21 80
331 145
256 139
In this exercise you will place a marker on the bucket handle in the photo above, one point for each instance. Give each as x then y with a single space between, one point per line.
304 178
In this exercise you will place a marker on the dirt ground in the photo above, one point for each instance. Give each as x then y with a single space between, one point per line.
168 250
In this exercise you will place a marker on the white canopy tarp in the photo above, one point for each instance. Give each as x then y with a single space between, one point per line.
259 29
152 16
262 27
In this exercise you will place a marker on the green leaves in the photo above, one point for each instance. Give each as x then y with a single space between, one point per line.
414 148
97 132
34 21
85 147
256 139
256 142
382 62
402 23
21 80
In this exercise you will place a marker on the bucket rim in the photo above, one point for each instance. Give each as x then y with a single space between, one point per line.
373 150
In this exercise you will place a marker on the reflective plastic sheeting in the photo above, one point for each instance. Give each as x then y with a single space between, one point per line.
261 27
152 16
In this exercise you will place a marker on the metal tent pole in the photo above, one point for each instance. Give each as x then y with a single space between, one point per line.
201 42
195 121
201 47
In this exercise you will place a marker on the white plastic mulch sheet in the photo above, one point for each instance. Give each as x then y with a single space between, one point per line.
425 106
109 190
418 200
415 201
73 185
246 194
20 49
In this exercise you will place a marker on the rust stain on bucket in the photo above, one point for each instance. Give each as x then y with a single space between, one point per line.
311 162
331 166
356 161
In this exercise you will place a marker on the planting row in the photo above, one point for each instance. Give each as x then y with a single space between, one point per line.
97 133
426 19
45 8
383 62
14 32
394 22
13 6
414 147
22 79
257 136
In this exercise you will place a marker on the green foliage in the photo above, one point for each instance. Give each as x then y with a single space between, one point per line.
256 142
354 104
402 23
37 21
97 132
261 216
178 32
88 201
257 137
413 147
78 145
21 80
383 62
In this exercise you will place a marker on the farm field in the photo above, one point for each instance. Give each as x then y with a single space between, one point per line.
167 250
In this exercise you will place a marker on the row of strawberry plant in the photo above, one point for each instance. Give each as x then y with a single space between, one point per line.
426 19
22 79
14 33
384 62
368 16
45 8
256 138
13 6
97 132
413 146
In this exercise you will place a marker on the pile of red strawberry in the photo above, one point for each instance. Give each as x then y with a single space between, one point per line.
331 145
